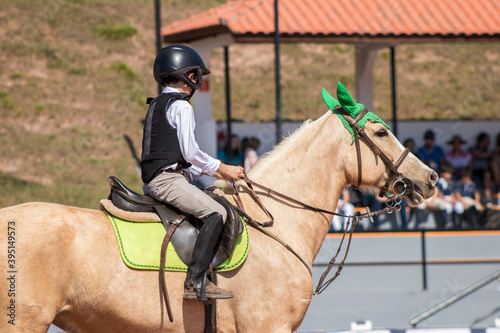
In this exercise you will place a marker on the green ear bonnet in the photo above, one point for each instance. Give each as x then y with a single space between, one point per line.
350 106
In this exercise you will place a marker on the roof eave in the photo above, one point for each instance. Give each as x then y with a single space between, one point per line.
359 38
196 34
250 37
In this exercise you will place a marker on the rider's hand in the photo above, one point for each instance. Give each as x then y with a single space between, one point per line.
230 172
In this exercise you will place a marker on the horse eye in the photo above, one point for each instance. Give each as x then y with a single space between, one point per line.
381 133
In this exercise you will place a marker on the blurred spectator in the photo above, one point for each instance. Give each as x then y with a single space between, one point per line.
443 204
250 156
402 212
495 164
374 202
430 153
410 144
446 185
481 164
467 193
231 153
436 205
343 207
221 140
457 158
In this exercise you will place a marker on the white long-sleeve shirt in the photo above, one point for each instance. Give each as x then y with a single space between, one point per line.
180 115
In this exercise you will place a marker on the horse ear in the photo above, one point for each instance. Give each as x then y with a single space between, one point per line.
329 100
347 102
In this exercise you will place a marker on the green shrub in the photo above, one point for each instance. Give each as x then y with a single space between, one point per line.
8 101
16 76
124 69
115 32
78 70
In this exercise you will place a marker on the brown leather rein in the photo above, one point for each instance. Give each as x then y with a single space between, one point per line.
401 184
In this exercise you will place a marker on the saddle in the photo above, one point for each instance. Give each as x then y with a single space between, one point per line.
184 238
186 227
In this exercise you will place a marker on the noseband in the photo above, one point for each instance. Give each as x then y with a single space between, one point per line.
400 185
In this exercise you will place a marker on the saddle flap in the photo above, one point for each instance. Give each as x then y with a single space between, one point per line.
232 229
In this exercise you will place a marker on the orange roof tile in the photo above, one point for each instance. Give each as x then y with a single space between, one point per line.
347 20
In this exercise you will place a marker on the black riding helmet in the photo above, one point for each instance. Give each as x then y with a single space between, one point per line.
179 61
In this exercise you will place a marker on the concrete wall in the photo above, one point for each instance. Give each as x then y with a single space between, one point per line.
444 130
383 280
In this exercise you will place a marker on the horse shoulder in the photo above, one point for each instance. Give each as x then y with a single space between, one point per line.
272 279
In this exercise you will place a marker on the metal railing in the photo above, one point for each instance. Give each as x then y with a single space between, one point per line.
423 261
455 298
482 317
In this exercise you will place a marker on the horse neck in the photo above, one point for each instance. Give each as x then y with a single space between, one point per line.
307 166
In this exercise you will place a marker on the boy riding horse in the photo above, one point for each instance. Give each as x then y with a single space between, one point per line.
171 159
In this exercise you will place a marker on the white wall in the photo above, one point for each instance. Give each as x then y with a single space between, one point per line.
443 130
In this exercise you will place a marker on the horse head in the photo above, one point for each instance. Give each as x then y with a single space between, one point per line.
383 162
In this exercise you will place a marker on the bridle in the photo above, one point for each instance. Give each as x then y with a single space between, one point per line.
400 185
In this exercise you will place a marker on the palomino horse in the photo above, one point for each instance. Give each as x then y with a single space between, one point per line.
66 268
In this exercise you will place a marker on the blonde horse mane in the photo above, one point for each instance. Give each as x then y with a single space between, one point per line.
275 154
291 141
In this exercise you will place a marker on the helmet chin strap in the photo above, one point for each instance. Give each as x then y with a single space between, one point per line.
192 93
186 75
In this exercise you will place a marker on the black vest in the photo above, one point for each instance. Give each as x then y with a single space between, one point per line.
160 145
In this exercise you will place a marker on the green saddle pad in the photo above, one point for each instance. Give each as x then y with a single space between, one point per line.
140 245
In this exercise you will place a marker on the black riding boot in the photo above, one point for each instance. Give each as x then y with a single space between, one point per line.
196 284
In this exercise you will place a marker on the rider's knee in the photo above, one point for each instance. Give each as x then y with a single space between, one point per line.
214 207
222 212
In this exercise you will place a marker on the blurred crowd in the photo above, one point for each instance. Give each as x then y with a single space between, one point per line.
467 194
234 152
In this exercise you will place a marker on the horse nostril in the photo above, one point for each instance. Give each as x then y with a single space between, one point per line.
433 178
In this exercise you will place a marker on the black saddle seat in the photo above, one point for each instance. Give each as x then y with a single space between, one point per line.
126 199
